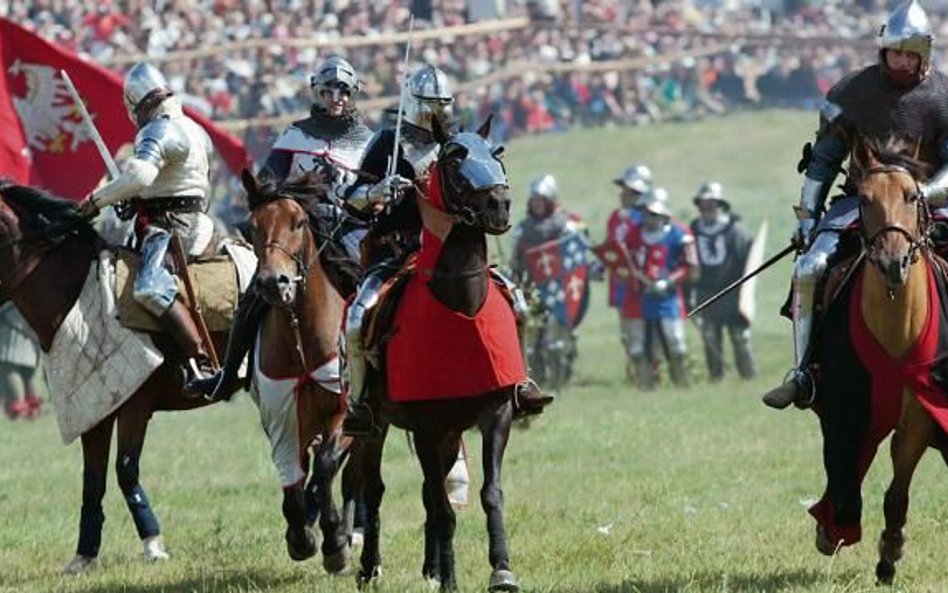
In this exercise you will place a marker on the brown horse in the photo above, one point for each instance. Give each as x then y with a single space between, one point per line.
475 203
46 251
893 308
296 363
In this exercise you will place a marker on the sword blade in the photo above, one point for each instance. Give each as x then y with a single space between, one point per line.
711 300
393 162
90 127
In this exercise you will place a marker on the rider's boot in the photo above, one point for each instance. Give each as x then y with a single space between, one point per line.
178 322
247 319
529 399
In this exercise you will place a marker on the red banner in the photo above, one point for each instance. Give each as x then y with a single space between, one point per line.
43 140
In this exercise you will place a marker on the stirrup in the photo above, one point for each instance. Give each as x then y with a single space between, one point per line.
806 388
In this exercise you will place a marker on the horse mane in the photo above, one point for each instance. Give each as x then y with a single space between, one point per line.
898 152
49 215
307 188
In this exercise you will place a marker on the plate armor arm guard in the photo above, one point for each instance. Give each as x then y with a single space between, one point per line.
935 190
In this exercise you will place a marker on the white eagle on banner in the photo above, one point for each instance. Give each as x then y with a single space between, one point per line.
50 118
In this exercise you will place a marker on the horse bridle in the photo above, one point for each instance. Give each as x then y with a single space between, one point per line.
916 241
302 273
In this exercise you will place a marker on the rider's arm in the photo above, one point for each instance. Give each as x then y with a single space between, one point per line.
827 156
935 190
155 144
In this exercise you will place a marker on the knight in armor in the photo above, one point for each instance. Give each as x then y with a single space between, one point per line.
329 142
166 182
397 228
662 249
900 97
635 184
547 220
722 243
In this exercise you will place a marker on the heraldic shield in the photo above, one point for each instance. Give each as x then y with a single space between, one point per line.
559 270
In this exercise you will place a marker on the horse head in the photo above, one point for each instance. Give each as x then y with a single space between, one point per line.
474 183
279 226
894 218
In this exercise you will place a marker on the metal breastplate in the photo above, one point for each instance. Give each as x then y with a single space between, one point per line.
419 150
184 171
874 106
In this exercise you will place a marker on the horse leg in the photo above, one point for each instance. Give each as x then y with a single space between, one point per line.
494 425
914 433
95 461
448 457
353 506
439 516
132 426
335 547
370 463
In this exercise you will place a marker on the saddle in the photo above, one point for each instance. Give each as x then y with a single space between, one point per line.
215 283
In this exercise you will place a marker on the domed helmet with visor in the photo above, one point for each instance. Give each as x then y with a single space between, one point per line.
428 95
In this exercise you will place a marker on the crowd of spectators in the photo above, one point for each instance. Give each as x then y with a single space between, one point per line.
720 55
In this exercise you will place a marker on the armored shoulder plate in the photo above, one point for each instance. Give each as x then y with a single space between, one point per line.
161 141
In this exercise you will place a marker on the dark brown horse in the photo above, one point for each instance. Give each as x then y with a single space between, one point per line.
475 203
46 253
891 316
296 362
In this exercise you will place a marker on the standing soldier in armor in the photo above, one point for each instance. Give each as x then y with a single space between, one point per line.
902 97
547 221
635 183
168 177
663 252
723 243
394 236
330 142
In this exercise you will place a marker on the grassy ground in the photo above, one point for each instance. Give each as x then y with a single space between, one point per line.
611 491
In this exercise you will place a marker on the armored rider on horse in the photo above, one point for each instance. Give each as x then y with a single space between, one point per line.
330 142
900 97
165 183
397 230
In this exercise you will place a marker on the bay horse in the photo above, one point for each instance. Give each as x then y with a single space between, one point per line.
453 267
46 252
882 352
296 363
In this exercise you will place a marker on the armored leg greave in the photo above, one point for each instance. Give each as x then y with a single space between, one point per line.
807 273
356 363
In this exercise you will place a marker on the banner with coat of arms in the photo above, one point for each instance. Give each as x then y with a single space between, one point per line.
559 270
43 141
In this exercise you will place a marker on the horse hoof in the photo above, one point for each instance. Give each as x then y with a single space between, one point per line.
503 580
365 578
885 572
80 564
155 549
337 563
300 544
824 544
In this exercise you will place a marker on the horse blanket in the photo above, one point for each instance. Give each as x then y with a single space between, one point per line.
94 363
435 352
859 394
277 400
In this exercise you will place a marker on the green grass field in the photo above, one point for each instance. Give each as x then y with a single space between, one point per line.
611 491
